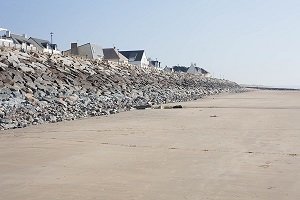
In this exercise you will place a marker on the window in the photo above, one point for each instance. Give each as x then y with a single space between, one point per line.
132 56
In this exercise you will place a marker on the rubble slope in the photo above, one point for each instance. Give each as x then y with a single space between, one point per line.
37 88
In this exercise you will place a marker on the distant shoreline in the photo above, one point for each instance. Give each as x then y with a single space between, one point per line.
271 88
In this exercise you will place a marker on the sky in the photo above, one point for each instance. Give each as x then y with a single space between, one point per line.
247 41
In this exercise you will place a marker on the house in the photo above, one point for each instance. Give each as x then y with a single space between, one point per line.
23 41
168 69
5 38
193 69
180 69
112 54
137 57
20 39
154 63
197 70
88 50
15 41
44 45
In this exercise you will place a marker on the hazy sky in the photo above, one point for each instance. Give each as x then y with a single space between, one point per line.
248 41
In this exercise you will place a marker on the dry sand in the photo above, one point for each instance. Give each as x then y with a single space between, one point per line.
239 146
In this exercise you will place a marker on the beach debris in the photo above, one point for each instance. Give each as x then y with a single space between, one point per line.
292 154
142 107
264 166
177 106
172 107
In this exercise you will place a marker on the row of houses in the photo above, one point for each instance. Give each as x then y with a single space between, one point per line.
193 69
88 50
23 42
92 51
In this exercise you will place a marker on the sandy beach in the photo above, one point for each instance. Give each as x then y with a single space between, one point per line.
233 146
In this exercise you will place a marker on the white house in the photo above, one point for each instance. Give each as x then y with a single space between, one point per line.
88 50
5 38
137 57
197 70
15 41
44 45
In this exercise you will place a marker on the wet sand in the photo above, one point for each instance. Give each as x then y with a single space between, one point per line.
237 146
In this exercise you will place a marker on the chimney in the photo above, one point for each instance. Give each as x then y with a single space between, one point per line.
74 49
7 34
24 35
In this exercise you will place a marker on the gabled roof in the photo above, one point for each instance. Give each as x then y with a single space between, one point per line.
113 54
42 43
203 71
194 69
168 69
19 39
133 55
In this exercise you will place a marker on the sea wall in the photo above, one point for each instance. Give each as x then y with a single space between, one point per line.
38 88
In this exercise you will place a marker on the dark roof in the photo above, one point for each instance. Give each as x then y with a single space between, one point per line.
19 39
203 71
198 69
42 43
168 69
133 55
180 68
113 54
110 54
